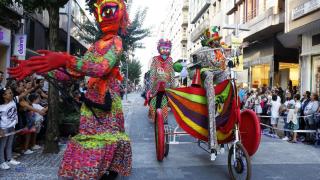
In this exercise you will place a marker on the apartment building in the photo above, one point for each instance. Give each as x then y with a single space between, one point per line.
175 26
14 23
10 22
202 15
302 31
267 59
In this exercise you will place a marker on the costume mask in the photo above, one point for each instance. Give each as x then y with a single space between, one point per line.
111 16
164 48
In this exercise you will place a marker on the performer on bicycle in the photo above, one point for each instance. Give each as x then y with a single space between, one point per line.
161 75
213 71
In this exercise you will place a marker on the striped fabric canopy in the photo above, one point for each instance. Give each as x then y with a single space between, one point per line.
189 106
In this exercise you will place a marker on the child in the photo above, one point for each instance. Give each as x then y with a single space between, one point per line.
275 107
8 121
292 119
35 118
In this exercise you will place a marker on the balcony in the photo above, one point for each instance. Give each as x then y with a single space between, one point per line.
198 11
263 25
195 34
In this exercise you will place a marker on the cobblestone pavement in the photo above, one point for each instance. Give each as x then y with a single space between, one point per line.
275 159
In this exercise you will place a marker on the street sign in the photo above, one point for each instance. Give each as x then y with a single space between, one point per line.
4 35
20 45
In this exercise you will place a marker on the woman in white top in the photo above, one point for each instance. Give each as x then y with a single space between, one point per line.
8 120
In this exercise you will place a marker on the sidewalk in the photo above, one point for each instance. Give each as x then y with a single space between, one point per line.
36 166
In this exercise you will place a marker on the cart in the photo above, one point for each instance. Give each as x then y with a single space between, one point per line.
239 130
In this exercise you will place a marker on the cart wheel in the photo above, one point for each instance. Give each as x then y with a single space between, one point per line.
159 135
167 140
239 166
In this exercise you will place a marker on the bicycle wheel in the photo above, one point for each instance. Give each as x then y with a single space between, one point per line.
239 166
159 135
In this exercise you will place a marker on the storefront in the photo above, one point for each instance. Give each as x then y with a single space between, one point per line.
310 61
260 75
5 41
271 64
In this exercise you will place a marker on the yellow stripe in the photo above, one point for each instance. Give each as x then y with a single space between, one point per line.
221 136
190 123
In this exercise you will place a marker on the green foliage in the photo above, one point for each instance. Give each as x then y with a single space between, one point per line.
135 32
90 32
134 70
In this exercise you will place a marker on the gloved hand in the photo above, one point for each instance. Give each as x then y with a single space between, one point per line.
39 64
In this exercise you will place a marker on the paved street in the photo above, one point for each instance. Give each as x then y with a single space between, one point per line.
274 160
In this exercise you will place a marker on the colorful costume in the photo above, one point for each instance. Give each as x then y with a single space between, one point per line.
101 144
161 73
213 65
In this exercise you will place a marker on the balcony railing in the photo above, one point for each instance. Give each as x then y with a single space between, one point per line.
250 15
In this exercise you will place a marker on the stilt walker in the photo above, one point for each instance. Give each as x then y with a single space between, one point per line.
101 148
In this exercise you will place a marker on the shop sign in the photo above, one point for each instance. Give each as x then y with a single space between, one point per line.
20 45
305 8
4 35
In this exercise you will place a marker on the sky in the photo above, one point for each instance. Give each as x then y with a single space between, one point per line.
155 15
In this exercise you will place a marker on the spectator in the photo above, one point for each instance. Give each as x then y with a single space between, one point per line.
36 118
304 102
309 111
249 101
275 107
1 80
257 103
23 108
292 119
9 118
288 104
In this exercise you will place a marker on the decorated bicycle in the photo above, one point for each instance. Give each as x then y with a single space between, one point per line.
208 110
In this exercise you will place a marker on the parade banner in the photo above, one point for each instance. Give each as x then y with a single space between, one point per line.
20 45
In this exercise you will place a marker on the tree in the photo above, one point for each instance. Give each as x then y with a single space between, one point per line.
52 6
134 71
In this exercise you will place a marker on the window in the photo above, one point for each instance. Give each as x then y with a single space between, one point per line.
250 9
315 39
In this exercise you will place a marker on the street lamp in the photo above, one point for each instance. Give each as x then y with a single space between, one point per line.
68 26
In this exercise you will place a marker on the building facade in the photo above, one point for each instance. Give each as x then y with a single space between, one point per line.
14 22
175 26
302 27
267 58
10 23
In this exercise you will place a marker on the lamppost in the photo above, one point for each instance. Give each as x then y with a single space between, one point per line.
127 73
68 26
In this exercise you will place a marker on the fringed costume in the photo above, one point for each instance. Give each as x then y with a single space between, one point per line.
101 145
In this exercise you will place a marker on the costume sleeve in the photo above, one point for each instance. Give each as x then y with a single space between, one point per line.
97 62
153 77
171 74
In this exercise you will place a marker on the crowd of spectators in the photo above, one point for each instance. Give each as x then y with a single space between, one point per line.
23 108
276 106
